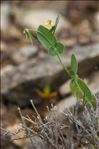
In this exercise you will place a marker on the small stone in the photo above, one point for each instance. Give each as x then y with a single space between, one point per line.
84 28
66 103
69 42
78 10
84 40
13 33
93 81
13 129
95 22
5 10
7 69
42 55
6 141
84 33
4 57
24 53
3 46
95 38
65 88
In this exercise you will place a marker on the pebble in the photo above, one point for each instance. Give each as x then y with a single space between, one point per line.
5 9
65 88
24 53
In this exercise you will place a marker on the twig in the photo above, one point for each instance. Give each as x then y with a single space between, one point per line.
23 122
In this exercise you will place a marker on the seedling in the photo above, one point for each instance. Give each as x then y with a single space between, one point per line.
49 41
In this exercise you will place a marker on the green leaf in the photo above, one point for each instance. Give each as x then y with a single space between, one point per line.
55 26
60 47
71 73
46 37
81 91
52 51
74 63
49 41
87 93
75 89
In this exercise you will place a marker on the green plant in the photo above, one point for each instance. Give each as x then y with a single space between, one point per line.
49 41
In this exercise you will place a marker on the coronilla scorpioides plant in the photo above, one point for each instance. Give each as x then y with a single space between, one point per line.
47 38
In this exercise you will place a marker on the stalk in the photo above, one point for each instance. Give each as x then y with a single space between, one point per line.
64 67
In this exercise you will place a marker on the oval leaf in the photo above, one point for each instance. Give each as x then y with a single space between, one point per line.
59 47
71 73
45 36
74 63
75 89
87 93
55 26
52 51
48 40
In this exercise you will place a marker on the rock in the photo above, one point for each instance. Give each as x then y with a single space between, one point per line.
5 10
18 133
84 39
5 59
24 53
96 22
66 103
76 10
6 142
84 32
93 82
7 69
42 55
18 84
69 42
11 124
3 46
36 5
34 18
12 34
95 38
3 110
64 88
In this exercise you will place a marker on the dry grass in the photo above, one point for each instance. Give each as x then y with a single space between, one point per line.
74 129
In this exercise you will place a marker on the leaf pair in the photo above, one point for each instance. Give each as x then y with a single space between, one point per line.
48 39
78 86
74 67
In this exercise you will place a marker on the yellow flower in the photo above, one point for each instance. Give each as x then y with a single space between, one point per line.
46 92
48 24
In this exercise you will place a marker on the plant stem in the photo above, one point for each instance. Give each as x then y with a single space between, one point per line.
66 70
24 125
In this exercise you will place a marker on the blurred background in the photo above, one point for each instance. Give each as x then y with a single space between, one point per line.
28 72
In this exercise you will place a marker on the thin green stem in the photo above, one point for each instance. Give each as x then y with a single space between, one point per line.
65 68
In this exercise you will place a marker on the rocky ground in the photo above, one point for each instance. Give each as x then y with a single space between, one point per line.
27 71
